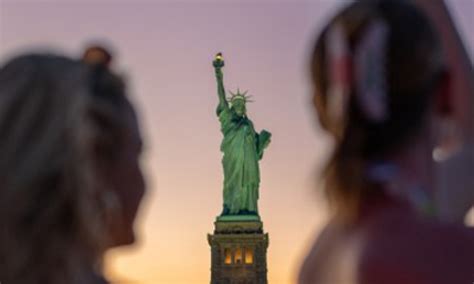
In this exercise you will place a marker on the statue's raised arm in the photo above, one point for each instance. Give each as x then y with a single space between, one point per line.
218 64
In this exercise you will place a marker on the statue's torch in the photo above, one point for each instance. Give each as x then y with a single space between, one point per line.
218 61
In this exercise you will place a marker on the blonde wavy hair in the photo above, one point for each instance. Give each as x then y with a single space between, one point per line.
58 118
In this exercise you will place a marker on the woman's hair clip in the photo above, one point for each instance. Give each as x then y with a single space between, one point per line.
97 55
370 72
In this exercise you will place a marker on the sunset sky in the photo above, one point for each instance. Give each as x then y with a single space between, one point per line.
165 49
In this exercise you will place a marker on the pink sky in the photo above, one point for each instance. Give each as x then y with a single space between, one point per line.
166 48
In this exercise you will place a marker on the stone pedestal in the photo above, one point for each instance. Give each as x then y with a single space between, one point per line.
238 251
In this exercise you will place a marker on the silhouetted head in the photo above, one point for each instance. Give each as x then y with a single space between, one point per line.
380 79
69 168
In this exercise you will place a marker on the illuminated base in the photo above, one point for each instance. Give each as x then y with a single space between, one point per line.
238 252
238 218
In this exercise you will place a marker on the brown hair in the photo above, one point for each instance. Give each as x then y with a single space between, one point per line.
413 65
57 117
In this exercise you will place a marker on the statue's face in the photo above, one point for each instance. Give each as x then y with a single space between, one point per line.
239 107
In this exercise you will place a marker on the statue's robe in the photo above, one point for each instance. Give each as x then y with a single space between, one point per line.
242 151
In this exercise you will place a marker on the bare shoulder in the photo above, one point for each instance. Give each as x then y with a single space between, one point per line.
312 262
331 258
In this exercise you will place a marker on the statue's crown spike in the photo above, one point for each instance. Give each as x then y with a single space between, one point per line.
239 96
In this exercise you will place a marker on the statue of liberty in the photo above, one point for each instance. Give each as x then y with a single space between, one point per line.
243 148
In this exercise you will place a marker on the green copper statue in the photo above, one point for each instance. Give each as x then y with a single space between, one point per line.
242 148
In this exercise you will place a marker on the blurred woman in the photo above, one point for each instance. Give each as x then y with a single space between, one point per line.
71 182
382 92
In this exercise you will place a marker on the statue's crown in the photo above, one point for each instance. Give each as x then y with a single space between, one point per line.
239 96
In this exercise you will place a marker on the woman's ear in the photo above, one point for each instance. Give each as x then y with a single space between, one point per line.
447 128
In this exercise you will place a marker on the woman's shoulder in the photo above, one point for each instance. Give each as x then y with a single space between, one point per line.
391 249
417 251
332 257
